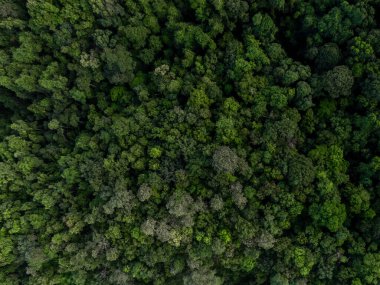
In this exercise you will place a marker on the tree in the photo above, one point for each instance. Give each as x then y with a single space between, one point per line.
119 65
301 171
331 214
225 160
202 276
264 27
279 279
328 56
303 98
371 88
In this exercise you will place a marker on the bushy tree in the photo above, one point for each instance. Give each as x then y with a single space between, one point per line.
338 82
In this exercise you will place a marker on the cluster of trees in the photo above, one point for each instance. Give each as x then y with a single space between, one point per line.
192 142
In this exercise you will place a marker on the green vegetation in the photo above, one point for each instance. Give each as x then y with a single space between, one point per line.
198 142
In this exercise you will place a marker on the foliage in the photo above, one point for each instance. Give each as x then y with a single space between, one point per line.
189 142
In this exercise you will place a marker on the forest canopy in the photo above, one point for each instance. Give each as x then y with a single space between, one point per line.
195 142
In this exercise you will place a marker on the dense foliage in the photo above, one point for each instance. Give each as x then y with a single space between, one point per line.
195 142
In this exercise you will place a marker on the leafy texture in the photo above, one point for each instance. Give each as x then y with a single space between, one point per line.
198 142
